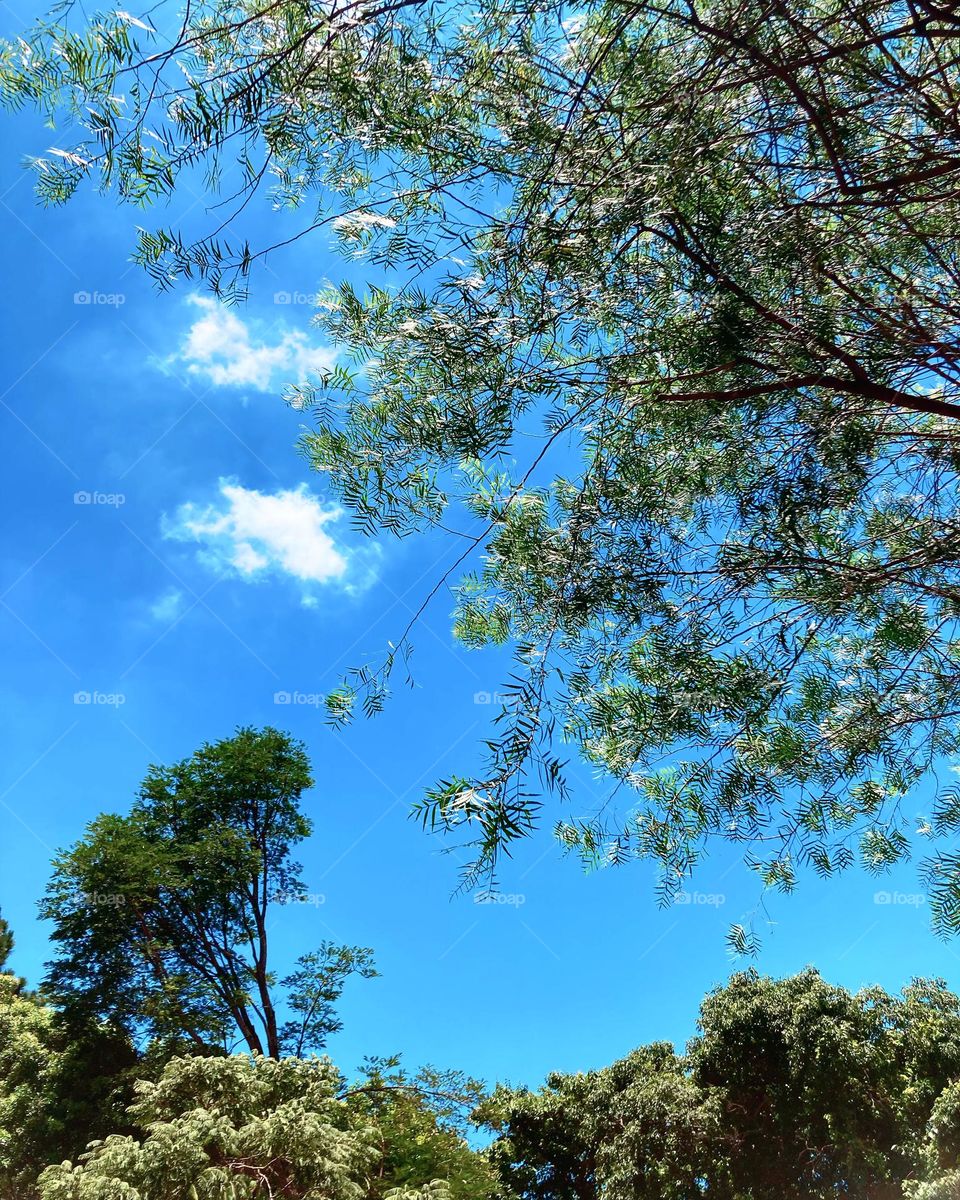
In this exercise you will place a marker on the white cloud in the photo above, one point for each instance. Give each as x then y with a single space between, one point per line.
167 607
221 347
254 534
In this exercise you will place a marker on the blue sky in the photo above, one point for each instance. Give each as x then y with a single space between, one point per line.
167 556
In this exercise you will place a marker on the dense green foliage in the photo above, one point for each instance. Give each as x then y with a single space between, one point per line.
240 1127
422 1121
161 916
663 297
28 1061
793 1090
60 1086
6 943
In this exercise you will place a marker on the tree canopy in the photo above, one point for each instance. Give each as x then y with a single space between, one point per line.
28 1061
160 917
792 1090
60 1086
662 314
6 943
240 1128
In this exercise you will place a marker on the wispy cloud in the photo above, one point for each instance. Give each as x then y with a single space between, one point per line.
254 535
223 348
168 606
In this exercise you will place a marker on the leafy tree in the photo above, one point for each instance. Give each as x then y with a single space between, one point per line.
28 1065
422 1123
241 1128
58 1089
663 298
314 989
640 1128
6 943
793 1090
941 1151
227 1128
821 1089
161 917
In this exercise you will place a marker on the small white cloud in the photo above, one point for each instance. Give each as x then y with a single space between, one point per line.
168 606
221 347
255 534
